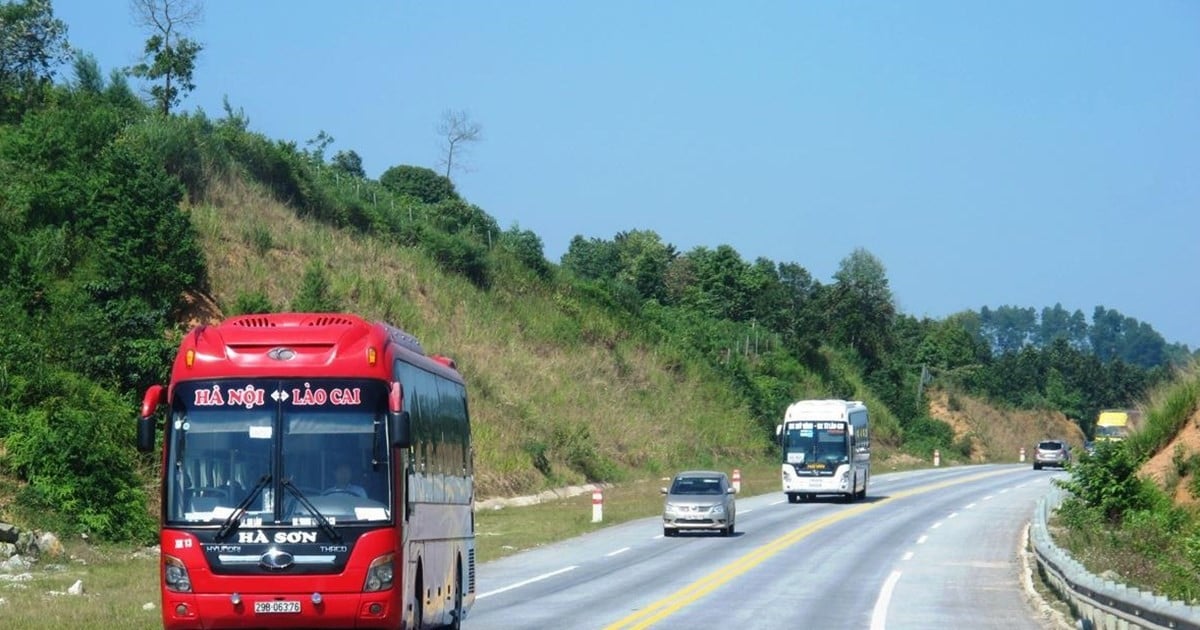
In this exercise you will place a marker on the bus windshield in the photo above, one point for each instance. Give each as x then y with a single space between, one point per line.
1110 431
815 444
284 450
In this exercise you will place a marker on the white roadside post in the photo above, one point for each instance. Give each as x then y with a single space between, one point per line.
597 505
937 458
737 480
1022 454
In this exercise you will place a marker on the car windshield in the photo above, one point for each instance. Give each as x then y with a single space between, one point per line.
696 485
1050 446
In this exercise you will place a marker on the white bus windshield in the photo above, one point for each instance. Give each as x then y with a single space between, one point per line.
816 444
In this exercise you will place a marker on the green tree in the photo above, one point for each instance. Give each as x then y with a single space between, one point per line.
419 182
526 247
643 259
348 162
168 58
859 307
592 259
32 44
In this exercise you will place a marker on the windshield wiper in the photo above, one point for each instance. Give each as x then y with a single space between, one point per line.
326 526
235 516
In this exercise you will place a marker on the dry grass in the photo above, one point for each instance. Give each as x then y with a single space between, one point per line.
998 435
545 374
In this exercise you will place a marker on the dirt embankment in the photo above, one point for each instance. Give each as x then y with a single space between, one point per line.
998 435
1162 469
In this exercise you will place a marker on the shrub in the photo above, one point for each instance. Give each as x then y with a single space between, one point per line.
1107 481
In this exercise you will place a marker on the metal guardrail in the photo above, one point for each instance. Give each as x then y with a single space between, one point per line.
1096 602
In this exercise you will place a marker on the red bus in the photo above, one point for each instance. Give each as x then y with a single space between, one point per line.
317 472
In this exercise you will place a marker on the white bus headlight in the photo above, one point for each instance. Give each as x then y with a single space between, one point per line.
175 575
380 574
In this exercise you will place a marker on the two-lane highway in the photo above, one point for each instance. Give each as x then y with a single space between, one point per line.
933 548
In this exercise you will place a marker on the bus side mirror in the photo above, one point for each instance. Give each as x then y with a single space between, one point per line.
779 434
401 428
146 425
145 434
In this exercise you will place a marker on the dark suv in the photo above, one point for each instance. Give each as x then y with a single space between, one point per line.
1052 453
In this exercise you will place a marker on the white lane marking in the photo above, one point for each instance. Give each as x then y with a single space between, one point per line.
969 506
952 515
745 511
879 614
908 556
936 525
526 582
778 502
619 551
1004 490
921 540
989 497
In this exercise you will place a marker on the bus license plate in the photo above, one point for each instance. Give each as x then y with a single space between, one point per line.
276 606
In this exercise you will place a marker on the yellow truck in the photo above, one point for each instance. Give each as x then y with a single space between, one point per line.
1115 425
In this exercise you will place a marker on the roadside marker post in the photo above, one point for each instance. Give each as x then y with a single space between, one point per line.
1022 453
937 458
597 505
737 480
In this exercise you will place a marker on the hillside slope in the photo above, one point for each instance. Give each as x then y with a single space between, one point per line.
1162 468
999 434
560 393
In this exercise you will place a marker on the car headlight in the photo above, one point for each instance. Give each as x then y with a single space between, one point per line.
717 510
671 510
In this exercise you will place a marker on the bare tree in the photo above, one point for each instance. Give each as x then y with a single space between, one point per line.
168 56
456 131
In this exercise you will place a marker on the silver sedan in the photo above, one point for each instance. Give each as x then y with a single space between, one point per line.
699 499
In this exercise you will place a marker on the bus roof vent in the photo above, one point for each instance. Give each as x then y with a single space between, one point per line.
331 320
251 321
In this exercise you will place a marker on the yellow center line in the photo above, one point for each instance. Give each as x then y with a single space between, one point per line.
671 604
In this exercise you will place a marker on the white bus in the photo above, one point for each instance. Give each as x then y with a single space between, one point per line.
826 449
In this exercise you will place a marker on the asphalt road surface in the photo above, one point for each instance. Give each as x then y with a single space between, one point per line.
926 549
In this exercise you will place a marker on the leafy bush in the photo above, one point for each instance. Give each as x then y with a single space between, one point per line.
458 255
73 448
421 183
1107 481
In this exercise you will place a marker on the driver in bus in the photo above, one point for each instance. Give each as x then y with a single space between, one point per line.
343 484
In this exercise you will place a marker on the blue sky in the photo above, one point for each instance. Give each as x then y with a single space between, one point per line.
1019 153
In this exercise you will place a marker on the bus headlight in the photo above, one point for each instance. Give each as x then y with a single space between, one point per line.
175 575
380 574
